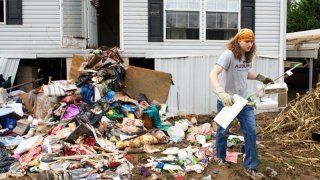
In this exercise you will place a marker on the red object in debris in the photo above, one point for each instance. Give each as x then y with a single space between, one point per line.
89 141
109 52
180 178
70 151
113 164
128 157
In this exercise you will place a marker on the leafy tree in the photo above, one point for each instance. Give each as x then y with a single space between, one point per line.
303 15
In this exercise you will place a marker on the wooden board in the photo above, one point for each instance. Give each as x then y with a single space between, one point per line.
43 104
75 65
154 84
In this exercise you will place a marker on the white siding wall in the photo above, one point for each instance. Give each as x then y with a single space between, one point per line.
40 28
135 33
38 36
9 67
72 18
268 27
192 86
191 73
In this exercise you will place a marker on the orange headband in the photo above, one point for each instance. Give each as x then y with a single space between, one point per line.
245 34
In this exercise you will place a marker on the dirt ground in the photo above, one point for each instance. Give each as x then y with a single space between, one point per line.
291 159
270 155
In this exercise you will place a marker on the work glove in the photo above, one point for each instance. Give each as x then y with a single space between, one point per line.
225 98
264 79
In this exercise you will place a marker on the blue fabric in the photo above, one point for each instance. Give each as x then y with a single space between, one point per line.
8 123
87 92
11 123
17 99
110 96
129 108
248 128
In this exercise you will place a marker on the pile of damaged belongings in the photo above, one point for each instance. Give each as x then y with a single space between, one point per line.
87 129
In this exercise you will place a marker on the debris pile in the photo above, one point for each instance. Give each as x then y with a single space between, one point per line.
89 128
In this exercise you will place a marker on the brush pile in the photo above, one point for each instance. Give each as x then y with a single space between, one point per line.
294 126
300 118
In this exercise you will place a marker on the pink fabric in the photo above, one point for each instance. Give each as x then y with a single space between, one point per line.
33 153
56 129
232 157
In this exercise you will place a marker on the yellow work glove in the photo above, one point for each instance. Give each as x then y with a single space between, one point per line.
225 98
264 79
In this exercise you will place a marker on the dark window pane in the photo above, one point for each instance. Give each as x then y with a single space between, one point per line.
221 25
193 20
182 33
182 25
182 20
1 12
220 34
232 20
212 20
171 19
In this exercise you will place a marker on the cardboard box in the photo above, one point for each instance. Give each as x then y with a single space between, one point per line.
23 126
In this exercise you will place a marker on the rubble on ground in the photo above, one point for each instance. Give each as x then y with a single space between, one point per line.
87 128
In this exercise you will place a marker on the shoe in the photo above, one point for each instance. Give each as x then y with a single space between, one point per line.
225 163
253 174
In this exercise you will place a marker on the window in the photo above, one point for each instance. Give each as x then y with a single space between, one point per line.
182 19
11 11
198 19
2 11
222 19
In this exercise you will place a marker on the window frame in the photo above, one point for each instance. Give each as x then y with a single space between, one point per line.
202 21
205 20
4 12
182 10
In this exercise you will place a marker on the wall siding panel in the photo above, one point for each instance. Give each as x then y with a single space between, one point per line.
40 28
39 35
72 18
191 71
9 67
198 97
135 25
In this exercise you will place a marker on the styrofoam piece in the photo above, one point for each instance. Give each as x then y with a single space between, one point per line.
227 114
276 88
267 103
176 132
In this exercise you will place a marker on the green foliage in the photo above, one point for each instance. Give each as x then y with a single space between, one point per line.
303 15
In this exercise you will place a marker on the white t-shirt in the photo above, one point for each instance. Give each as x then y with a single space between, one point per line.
234 77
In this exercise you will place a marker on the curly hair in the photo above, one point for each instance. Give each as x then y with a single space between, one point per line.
233 45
